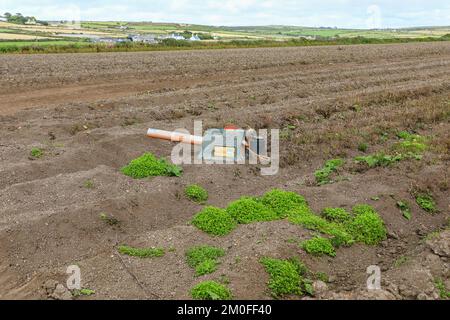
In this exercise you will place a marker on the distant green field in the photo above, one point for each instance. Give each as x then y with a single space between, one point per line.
330 32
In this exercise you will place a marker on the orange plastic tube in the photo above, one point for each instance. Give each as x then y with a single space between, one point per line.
174 136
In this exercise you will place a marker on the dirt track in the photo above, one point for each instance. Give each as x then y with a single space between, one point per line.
89 113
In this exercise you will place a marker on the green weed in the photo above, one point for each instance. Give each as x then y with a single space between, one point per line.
109 220
211 290
367 226
196 193
444 293
379 160
319 246
431 236
89 184
405 209
83 292
214 221
36 153
411 147
141 252
363 147
337 215
307 219
286 276
412 144
204 259
281 202
323 175
149 166
426 202
247 210
322 276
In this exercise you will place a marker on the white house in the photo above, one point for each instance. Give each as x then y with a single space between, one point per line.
194 38
176 36
3 19
149 38
31 21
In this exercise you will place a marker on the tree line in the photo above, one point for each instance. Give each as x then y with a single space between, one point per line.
19 18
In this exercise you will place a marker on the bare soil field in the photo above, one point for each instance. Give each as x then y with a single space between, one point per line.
12 36
89 113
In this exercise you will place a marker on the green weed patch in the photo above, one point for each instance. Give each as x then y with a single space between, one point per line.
211 290
319 246
286 277
308 220
411 146
109 219
36 153
204 259
214 221
363 224
323 175
281 202
444 293
379 160
363 147
426 202
405 209
196 193
247 210
141 252
149 166
337 215
367 226
83 292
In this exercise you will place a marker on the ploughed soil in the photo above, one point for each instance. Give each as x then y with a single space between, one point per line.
89 114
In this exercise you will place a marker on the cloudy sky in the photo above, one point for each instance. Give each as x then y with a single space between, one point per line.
340 13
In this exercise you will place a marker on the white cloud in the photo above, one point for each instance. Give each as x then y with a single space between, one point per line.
232 6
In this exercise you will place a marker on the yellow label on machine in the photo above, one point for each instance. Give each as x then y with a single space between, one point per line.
224 152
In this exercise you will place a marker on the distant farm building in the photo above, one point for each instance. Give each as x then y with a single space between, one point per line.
31 21
176 36
3 19
195 38
109 40
148 38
